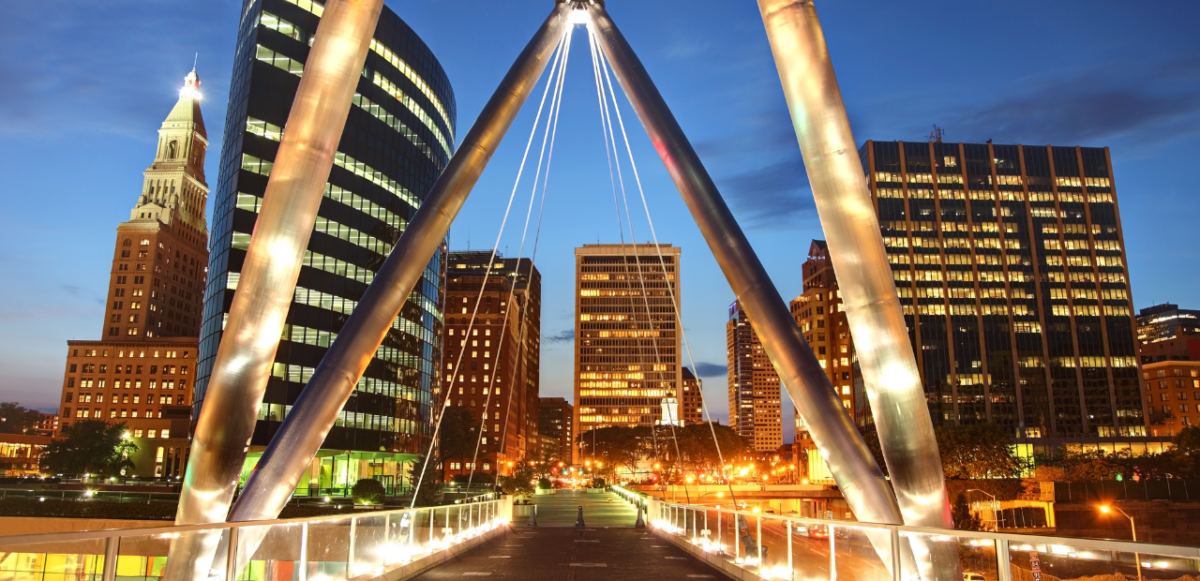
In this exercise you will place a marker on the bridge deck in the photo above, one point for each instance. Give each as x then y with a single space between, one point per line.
544 554
560 510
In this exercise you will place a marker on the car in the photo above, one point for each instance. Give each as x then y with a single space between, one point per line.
968 576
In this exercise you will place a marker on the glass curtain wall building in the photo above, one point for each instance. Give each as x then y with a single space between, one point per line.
1010 266
397 139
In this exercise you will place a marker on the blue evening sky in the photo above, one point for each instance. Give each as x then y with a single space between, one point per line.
85 85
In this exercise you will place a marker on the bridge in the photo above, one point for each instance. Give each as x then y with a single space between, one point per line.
492 537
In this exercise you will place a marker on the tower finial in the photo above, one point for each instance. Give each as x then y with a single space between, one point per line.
194 61
191 84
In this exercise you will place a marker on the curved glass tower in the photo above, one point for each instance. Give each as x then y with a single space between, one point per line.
398 137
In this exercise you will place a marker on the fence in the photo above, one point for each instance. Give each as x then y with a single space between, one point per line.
795 548
312 549
1112 490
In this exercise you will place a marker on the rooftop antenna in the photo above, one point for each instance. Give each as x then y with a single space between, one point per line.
195 60
936 135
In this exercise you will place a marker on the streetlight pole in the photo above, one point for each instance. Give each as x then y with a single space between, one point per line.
1137 557
995 507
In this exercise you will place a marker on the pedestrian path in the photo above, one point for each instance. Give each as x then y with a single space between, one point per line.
544 554
605 509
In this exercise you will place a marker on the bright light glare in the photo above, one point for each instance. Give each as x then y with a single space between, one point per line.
579 17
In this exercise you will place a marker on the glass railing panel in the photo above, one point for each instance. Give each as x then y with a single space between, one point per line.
143 556
1051 562
369 545
810 551
328 549
271 553
57 561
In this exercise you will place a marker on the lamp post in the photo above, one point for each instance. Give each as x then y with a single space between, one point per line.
995 507
1137 557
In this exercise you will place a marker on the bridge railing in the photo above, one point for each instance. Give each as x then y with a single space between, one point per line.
326 548
793 548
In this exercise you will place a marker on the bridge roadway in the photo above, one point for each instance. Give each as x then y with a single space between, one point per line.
607 548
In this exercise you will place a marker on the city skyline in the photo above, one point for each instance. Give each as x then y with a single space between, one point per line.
110 143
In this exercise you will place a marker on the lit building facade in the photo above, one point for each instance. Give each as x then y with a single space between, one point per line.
397 138
496 377
626 340
691 401
819 314
140 373
554 426
1169 333
1010 265
755 397
1172 392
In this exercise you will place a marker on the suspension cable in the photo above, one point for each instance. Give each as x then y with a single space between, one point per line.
671 288
479 298
641 272
551 124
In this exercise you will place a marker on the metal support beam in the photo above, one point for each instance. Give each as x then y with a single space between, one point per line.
291 450
855 471
865 281
272 265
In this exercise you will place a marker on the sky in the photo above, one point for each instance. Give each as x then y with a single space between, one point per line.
85 85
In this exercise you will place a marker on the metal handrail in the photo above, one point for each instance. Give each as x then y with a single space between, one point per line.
1012 538
174 529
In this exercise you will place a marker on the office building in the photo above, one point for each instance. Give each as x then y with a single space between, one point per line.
754 392
140 373
1172 391
1010 266
691 401
554 426
492 352
1169 333
397 138
626 340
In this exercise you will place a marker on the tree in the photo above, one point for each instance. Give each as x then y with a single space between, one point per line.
520 482
427 494
15 419
1187 441
457 437
978 451
964 519
368 491
90 447
616 446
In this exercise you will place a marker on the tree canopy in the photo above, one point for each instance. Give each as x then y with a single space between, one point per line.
90 447
978 451
458 435
664 445
15 419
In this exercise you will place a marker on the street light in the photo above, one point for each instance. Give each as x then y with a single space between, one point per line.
1137 558
995 507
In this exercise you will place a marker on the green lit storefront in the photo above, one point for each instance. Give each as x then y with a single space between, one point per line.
333 472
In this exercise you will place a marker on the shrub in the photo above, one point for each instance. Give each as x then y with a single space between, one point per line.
368 491
597 483
544 483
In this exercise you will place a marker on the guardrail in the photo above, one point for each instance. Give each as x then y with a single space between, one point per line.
324 548
749 543
97 495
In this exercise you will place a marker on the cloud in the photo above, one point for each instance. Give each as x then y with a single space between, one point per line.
564 336
1099 105
772 195
704 369
71 289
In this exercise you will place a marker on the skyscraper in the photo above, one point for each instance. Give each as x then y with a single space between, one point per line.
501 353
140 372
1010 266
627 361
396 140
819 314
691 401
754 389
554 426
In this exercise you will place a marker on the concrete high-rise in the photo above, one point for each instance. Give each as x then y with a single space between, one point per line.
1010 265
500 352
819 314
691 401
554 426
398 137
141 372
627 360
1169 333
755 396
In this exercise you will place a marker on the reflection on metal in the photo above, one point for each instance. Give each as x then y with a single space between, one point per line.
855 471
864 275
268 280
291 450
